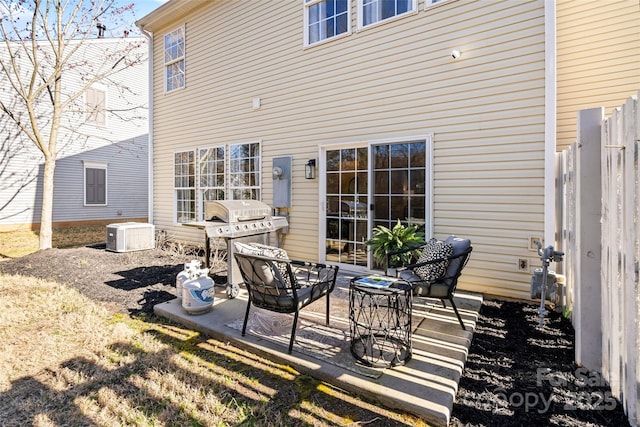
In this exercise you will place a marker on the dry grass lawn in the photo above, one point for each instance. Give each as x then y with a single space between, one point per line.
19 243
69 361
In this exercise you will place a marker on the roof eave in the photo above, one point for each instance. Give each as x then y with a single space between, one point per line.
169 12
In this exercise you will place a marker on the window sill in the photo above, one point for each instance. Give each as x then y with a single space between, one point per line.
328 40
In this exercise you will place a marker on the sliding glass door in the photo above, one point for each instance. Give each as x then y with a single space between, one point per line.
347 205
366 186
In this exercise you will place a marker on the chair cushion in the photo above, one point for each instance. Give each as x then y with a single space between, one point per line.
460 246
433 250
267 251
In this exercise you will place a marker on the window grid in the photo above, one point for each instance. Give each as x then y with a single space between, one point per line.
326 19
212 179
174 59
399 181
374 11
212 173
244 171
184 184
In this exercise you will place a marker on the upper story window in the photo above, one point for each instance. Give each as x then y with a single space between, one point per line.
373 11
174 45
95 101
325 19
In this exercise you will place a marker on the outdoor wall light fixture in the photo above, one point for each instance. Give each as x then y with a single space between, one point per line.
455 54
310 169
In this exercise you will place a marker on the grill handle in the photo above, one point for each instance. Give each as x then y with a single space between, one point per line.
250 218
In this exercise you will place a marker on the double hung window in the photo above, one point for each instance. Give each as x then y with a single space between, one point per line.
244 171
184 178
205 174
373 11
174 57
212 176
325 19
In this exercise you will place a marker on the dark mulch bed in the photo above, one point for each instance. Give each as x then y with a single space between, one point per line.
519 374
130 282
516 373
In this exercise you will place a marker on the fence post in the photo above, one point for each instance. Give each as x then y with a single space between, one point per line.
631 212
586 280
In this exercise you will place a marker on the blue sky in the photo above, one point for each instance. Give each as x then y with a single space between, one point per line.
116 24
143 7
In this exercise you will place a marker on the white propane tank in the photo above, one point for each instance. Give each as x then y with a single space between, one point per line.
189 272
197 294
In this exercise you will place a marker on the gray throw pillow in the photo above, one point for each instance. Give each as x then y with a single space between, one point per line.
266 251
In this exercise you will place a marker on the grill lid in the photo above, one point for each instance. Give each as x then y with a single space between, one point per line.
231 211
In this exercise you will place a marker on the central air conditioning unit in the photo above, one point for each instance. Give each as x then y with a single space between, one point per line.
130 236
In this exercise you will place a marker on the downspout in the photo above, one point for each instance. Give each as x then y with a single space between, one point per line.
149 36
549 121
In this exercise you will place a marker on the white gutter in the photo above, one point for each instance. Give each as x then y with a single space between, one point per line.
149 36
549 121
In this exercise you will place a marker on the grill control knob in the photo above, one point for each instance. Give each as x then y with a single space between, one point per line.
237 227
220 230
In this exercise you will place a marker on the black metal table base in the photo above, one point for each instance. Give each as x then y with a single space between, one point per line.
380 324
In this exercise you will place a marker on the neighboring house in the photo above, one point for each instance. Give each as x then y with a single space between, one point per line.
441 113
102 167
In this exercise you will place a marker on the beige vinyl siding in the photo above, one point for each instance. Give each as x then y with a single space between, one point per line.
394 80
598 48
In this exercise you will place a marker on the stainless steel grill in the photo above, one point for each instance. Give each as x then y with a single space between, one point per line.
239 218
237 221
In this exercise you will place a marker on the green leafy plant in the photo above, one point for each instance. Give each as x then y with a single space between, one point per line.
385 240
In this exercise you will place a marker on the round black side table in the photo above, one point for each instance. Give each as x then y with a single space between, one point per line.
380 322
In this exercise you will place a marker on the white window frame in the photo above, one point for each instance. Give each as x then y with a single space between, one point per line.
229 190
94 111
233 175
429 3
202 188
427 137
191 216
87 164
173 61
361 26
307 5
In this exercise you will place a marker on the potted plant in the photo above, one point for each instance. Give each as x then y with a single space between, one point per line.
385 240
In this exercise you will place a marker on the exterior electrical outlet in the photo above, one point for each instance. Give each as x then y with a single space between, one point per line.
533 242
523 264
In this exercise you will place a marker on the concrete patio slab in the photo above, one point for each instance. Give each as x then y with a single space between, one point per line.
426 386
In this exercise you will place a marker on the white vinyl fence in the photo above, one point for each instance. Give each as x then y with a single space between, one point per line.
600 233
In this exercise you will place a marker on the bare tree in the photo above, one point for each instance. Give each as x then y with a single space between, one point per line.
49 60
